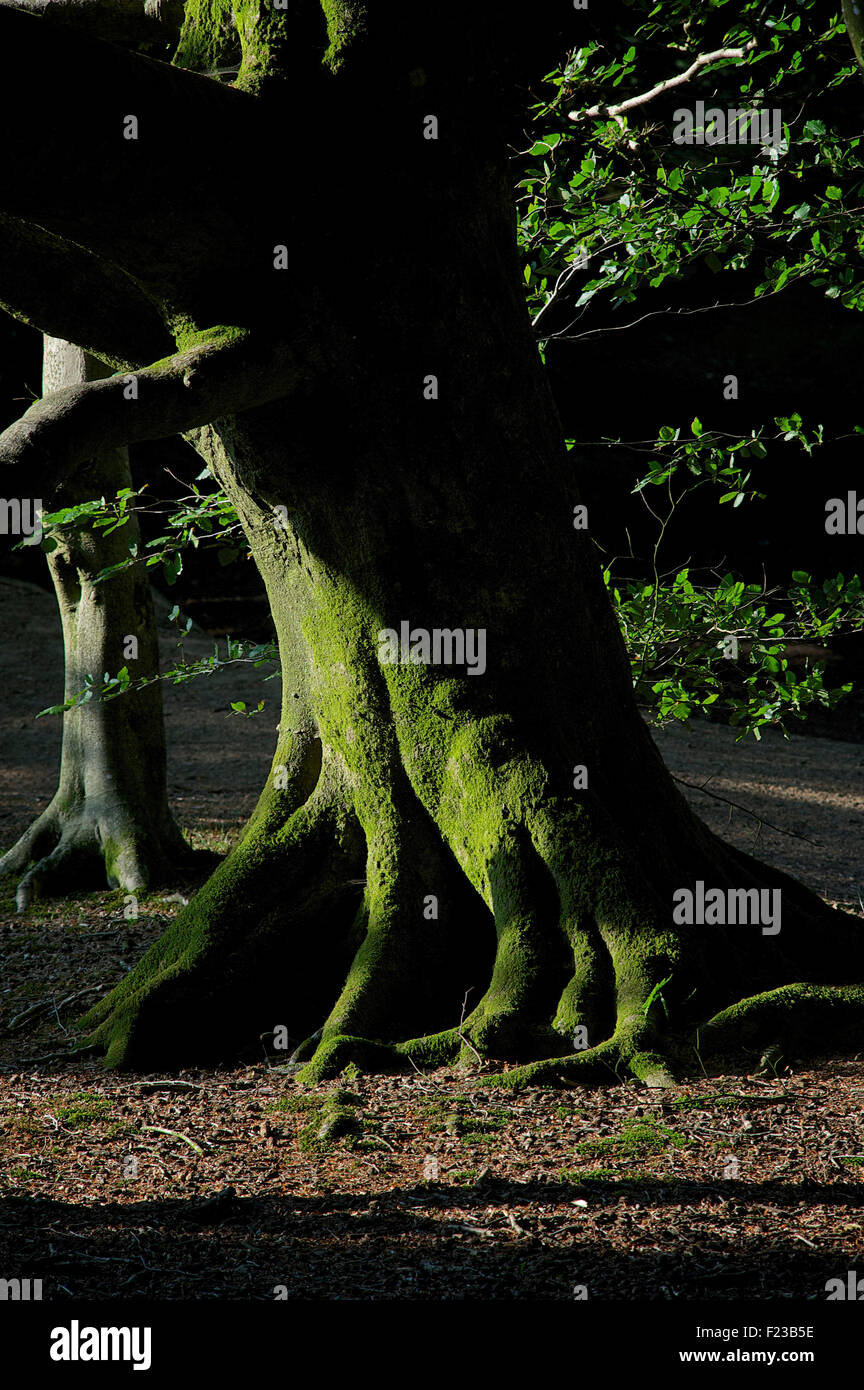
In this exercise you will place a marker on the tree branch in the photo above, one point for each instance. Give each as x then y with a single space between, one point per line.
64 291
157 204
228 373
117 21
701 62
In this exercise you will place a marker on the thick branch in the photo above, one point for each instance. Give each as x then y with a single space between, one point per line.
701 62
156 204
118 21
62 290
216 378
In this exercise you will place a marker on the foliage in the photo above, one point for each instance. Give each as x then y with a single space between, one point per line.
611 211
196 518
686 639
609 206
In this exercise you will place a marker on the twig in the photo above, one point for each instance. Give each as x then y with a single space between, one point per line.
175 1134
165 1085
760 820
702 61
19 1020
462 1035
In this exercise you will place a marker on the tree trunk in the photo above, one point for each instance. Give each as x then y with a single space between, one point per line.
451 792
109 818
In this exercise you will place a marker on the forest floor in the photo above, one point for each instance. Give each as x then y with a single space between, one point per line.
217 1184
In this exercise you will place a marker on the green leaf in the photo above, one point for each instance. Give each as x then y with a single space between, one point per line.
172 566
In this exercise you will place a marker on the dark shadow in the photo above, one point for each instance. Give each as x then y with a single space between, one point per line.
439 1242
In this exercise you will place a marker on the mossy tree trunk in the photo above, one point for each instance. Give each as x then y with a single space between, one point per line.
378 414
109 819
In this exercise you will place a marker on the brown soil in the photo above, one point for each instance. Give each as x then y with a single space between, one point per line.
217 1184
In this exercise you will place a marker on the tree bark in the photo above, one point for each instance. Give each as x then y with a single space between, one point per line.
109 818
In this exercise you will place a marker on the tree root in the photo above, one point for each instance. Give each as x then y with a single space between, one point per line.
79 850
798 1017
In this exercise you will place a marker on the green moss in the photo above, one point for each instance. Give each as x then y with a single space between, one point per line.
435 1050
79 1110
187 337
336 1053
346 24
248 34
295 1105
641 1138
464 1177
723 1100
330 1117
209 37
802 1016
463 1121
220 334
113 852
575 1176
342 1096
24 1175
339 1122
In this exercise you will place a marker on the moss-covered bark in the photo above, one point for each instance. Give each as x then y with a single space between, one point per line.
420 838
109 820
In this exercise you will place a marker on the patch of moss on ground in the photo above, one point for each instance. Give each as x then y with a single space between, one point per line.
635 1140
79 1110
370 1143
572 1175
24 1175
328 1117
724 1100
296 1105
460 1119
463 1177
120 1127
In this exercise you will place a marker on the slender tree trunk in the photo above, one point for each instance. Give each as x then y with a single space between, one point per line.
109 818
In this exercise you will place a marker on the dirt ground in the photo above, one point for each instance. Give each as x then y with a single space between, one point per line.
219 1183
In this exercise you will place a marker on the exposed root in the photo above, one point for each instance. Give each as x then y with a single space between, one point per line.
803 1017
258 945
79 851
33 844
333 1056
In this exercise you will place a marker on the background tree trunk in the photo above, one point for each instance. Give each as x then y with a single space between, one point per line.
109 818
